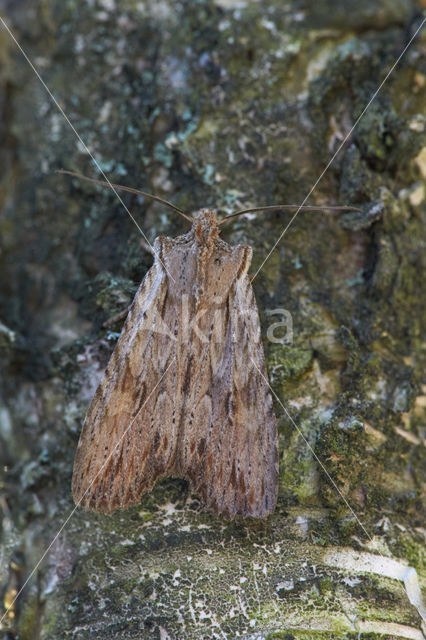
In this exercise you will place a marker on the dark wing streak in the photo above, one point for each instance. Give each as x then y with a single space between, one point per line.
267 434
226 471
125 438
254 494
189 409
89 464
200 485
159 412
162 423
231 474
133 441
218 434
216 430
99 407
228 474
255 470
118 457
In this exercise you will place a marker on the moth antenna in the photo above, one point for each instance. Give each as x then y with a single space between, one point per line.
285 207
130 190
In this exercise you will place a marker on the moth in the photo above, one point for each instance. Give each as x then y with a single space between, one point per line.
185 393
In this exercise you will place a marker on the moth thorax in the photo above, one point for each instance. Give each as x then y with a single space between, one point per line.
206 227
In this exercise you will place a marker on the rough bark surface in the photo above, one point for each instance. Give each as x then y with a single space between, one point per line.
224 104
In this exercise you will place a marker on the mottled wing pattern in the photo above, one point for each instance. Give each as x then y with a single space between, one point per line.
229 448
187 401
128 439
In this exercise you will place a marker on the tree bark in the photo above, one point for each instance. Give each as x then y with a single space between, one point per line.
221 104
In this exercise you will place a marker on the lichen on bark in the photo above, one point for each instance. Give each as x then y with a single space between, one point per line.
223 104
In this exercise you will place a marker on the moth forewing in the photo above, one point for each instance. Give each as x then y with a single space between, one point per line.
185 392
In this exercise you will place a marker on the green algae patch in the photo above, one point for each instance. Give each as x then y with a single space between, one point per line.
287 362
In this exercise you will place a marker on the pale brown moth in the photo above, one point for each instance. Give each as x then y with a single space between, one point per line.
185 393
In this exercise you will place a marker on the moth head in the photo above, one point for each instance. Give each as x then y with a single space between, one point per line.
205 226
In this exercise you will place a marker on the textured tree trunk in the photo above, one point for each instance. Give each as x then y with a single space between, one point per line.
222 104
